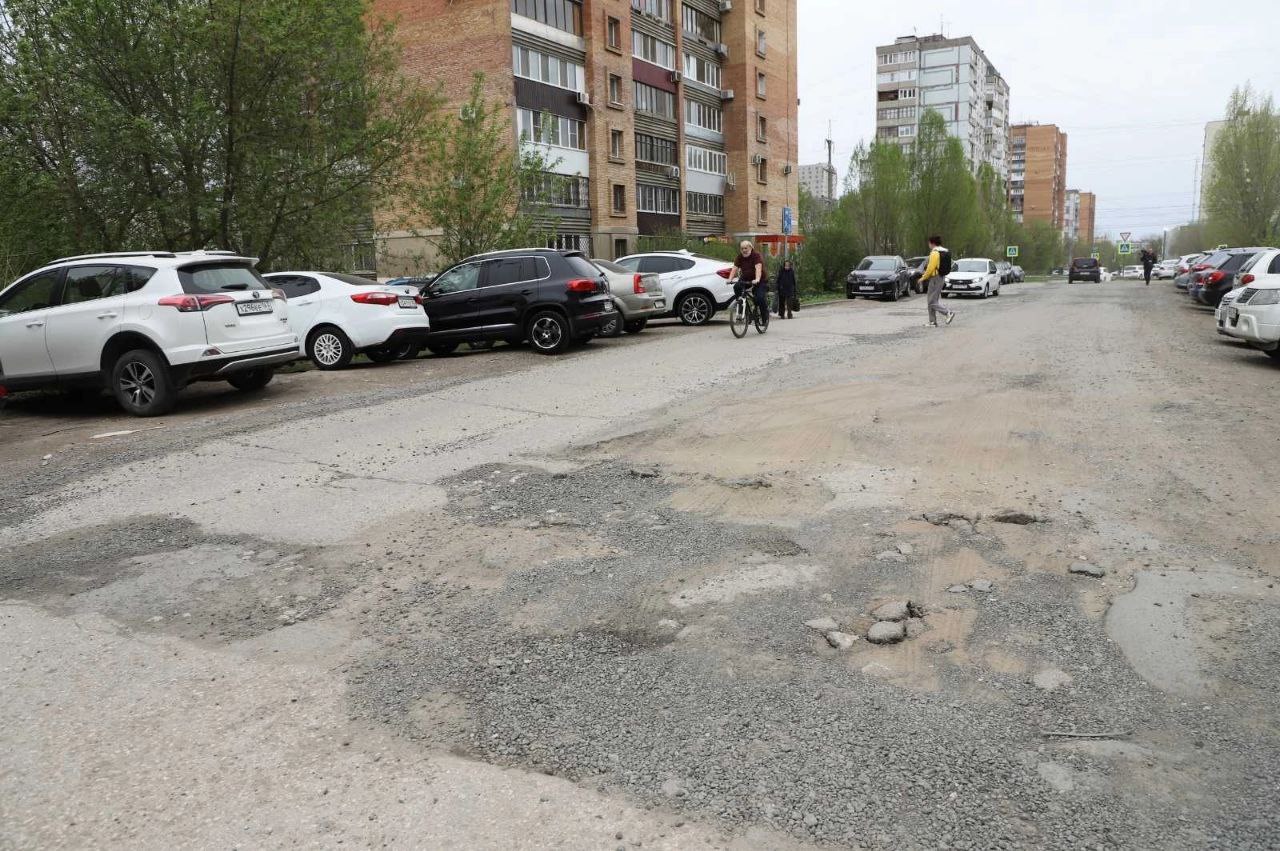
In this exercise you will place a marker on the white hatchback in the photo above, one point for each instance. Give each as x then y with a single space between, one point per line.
143 325
973 276
1254 315
337 316
693 287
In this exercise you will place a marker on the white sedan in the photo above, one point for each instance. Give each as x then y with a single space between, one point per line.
1254 314
973 276
338 316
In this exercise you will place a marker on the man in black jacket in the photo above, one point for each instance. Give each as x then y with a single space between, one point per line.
1148 261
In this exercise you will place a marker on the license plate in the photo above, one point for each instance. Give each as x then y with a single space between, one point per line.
252 308
867 289
408 301
1233 314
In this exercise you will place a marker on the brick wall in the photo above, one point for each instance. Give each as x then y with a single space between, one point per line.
608 227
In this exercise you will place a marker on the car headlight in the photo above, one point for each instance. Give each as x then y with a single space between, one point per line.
1265 297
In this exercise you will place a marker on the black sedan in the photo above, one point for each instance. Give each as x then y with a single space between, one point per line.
883 277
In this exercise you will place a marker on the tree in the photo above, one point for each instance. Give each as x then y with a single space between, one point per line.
270 127
997 228
943 197
1242 197
479 192
831 248
878 198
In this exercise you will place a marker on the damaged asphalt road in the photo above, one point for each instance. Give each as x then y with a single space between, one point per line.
550 607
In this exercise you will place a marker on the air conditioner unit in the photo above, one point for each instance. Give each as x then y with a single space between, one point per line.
584 98
756 159
726 94
730 181
726 5
786 169
676 76
674 171
722 48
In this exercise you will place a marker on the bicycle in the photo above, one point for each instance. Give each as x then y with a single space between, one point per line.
744 312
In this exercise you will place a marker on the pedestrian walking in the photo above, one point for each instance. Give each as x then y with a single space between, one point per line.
788 300
1148 260
935 277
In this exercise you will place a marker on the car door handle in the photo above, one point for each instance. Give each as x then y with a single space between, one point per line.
526 292
302 303
39 323
108 315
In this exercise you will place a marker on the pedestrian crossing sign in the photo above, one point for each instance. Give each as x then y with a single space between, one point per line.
1011 251
1125 248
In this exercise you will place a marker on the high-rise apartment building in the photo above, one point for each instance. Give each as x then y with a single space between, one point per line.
1038 173
953 77
819 180
659 115
1071 217
1211 131
1088 210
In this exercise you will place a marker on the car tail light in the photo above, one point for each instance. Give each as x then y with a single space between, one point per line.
1248 279
726 272
638 285
1214 277
1199 267
376 298
279 293
417 299
4 391
194 303
582 285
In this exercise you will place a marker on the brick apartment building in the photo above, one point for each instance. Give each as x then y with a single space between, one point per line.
1038 173
668 115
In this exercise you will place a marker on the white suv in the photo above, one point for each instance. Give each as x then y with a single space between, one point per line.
1254 315
143 325
693 287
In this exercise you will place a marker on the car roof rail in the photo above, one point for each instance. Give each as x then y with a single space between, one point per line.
112 254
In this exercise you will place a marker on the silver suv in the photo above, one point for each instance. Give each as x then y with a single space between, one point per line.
143 325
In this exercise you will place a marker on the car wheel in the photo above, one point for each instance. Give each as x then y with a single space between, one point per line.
635 326
893 294
549 333
695 309
385 355
254 379
442 349
329 348
142 385
406 351
612 328
1274 354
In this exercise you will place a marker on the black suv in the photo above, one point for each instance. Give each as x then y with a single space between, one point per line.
1084 269
881 277
550 299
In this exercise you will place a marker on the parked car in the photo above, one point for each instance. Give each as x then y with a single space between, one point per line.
1105 274
1224 277
338 316
973 276
547 298
1254 314
917 266
1220 313
694 287
883 276
637 298
143 325
1058 270
409 285
1084 269
1186 268
1019 276
1165 270
1006 272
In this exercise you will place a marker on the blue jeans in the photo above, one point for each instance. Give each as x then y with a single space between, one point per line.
761 293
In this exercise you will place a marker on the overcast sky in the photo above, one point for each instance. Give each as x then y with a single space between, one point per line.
1131 83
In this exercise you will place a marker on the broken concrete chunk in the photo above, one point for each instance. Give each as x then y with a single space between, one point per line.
906 549
1082 568
840 640
894 611
1016 516
982 586
886 632
822 624
959 589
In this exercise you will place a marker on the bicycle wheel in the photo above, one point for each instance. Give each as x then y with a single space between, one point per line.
738 319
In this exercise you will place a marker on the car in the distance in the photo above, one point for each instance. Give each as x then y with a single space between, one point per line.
1005 269
143 325
917 266
881 276
337 316
1165 270
694 287
637 298
977 276
1254 313
1084 269
545 297
1019 275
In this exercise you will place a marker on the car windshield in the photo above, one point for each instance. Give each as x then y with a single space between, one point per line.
220 277
878 264
1215 260
971 266
1235 261
630 263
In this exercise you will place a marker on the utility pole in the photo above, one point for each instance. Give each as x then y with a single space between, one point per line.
1195 193
831 168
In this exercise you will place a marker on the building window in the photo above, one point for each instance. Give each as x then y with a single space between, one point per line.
906 94
898 58
533 65
620 248
660 9
702 70
701 25
657 199
701 115
653 149
613 31
559 131
762 214
761 45
653 50
619 198
906 130
762 170
562 14
702 204
762 128
760 84
615 144
615 89
655 101
706 160
557 190
908 76
760 6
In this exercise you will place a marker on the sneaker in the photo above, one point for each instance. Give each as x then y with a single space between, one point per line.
931 324
950 317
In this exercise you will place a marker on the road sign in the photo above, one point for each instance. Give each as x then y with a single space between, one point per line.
1097 255
1124 237
787 224
1125 248
1011 251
